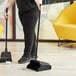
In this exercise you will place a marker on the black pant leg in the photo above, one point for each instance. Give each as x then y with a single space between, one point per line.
28 20
34 51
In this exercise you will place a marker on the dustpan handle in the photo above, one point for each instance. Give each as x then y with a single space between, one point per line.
38 30
6 33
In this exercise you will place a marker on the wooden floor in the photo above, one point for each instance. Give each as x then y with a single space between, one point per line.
62 59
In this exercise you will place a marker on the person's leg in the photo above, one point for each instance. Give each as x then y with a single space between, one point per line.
23 59
28 21
34 50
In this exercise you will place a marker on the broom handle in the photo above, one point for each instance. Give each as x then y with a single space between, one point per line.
6 30
38 29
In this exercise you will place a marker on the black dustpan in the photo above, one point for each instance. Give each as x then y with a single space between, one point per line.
37 65
6 56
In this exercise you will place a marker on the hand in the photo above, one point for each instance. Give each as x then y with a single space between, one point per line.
39 6
5 14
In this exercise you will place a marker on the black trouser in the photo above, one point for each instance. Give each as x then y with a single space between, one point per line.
28 20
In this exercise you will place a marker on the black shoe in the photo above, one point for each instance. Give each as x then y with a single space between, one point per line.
24 60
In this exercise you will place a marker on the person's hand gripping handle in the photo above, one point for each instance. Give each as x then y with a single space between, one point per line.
6 13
